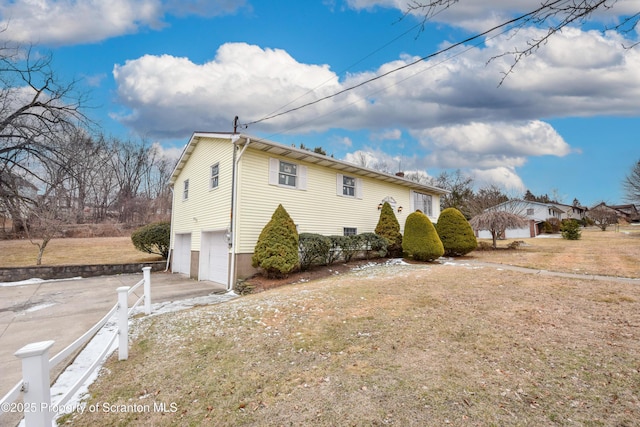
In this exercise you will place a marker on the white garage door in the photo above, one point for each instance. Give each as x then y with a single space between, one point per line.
214 257
182 254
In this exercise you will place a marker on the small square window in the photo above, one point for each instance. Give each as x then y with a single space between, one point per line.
288 174
215 171
348 186
350 231
530 211
185 190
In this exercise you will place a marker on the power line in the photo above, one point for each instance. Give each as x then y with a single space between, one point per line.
422 59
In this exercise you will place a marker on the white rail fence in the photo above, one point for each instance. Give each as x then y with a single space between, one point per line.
35 388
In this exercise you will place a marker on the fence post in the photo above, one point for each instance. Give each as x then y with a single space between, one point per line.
146 274
123 322
35 385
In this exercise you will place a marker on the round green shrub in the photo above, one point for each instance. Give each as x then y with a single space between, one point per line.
153 238
276 251
456 233
421 241
389 228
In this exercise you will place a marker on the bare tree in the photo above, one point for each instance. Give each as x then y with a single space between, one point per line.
497 221
631 184
486 198
36 109
52 210
554 15
603 216
460 191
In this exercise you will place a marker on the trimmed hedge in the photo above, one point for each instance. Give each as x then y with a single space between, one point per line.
421 241
153 238
314 249
276 251
455 233
373 245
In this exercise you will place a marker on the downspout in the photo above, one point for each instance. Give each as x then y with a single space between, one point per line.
234 206
170 232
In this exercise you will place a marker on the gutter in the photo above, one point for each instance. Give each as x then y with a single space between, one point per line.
231 278
170 232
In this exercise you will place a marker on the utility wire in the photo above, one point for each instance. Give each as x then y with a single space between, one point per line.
424 58
390 42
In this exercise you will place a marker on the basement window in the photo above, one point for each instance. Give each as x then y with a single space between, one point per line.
349 231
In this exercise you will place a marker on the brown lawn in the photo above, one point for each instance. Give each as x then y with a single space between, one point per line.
403 345
73 251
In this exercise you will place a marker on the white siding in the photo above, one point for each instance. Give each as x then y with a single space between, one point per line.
317 209
206 208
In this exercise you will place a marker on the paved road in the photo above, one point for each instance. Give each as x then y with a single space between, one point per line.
63 310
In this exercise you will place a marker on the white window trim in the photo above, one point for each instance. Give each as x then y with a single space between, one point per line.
185 189
211 186
339 185
274 172
344 230
415 208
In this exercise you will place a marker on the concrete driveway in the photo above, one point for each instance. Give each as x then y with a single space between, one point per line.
63 310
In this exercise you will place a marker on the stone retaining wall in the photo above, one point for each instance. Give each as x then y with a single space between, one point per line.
16 274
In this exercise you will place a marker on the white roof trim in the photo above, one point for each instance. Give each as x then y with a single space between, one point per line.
302 155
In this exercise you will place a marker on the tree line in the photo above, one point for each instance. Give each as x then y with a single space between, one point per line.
57 168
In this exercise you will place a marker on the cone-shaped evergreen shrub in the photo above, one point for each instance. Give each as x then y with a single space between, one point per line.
389 228
276 251
455 232
421 241
571 229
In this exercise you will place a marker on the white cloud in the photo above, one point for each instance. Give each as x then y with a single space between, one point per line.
480 15
454 108
62 22
172 96
387 135
501 176
490 145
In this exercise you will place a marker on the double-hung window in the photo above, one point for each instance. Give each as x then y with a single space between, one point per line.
214 178
287 174
348 186
185 190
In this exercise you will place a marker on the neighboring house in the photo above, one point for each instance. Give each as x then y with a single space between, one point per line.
628 213
15 193
535 212
227 186
571 211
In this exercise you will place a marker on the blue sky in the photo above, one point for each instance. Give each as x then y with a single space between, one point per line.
565 123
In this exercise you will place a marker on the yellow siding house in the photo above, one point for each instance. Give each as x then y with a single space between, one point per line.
226 187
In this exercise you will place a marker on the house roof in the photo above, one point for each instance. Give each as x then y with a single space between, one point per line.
562 205
521 203
301 155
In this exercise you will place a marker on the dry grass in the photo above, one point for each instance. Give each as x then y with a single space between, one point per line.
609 253
405 345
76 251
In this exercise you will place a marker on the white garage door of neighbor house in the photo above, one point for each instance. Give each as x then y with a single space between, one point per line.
182 254
214 257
